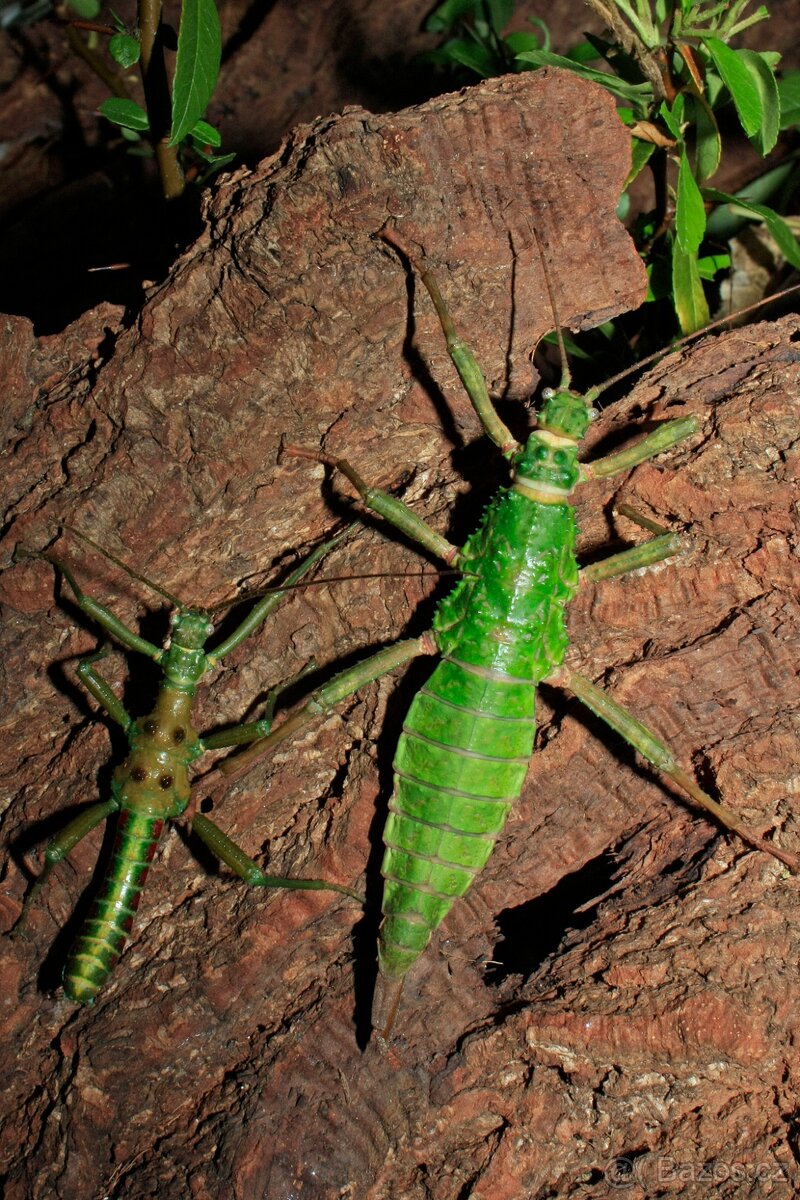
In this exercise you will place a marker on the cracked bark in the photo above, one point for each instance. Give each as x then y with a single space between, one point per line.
222 1058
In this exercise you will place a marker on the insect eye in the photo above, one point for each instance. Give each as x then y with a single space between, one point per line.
150 726
165 782
548 393
179 735
139 774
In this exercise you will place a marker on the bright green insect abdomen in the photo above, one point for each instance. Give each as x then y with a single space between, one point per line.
468 738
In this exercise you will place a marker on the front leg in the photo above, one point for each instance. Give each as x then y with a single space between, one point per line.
101 690
462 358
387 506
104 617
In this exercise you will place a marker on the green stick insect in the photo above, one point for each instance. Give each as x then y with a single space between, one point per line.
152 785
467 741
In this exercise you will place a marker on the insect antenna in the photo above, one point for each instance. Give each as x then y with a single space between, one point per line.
124 566
246 597
658 354
566 374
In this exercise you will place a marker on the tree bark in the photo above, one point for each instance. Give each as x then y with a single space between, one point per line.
612 990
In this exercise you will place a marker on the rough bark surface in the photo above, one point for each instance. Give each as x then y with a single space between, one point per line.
225 1057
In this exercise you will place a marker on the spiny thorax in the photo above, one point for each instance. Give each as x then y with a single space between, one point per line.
519 567
184 662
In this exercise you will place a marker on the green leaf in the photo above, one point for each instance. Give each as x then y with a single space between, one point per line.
206 134
127 113
708 143
584 52
628 91
687 292
672 118
500 13
789 95
690 212
87 10
470 55
447 15
196 67
572 348
784 238
215 164
766 135
739 81
522 41
726 220
124 49
640 156
621 64
711 264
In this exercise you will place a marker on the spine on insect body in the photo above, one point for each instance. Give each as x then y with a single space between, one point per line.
109 923
468 737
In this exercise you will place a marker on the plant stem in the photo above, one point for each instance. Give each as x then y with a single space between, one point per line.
157 98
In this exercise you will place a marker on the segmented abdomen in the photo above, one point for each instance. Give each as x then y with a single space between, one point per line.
460 764
109 923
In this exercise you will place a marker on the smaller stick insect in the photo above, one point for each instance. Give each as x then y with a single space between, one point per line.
152 784
468 738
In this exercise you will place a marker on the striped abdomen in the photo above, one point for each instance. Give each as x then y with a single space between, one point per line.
460 764
109 923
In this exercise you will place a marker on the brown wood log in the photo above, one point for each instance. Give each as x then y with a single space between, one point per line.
225 1057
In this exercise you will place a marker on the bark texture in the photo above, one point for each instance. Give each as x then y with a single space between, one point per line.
225 1057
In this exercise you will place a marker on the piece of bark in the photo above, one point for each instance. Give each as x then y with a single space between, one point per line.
222 1057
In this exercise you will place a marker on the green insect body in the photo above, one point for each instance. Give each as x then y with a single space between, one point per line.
149 787
152 785
468 739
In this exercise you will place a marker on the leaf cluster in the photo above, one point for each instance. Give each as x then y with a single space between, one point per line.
675 77
170 123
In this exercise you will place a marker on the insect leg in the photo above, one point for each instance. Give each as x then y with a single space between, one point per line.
387 506
668 434
325 698
461 356
104 617
62 844
250 731
97 686
661 757
226 850
266 606
662 546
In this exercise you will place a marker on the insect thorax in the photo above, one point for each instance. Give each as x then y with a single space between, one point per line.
546 467
184 661
520 570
